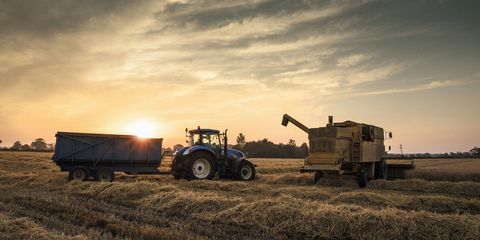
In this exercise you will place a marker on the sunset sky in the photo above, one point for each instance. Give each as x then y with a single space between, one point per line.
412 67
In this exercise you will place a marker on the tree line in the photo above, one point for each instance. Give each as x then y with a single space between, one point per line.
265 148
38 144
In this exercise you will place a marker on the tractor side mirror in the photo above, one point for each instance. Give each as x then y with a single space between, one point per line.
390 134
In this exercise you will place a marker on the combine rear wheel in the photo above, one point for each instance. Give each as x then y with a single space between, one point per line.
201 166
362 178
381 169
78 174
317 176
246 171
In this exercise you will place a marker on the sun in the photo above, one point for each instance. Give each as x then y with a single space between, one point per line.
142 129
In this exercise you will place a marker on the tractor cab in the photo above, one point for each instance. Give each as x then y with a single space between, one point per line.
206 137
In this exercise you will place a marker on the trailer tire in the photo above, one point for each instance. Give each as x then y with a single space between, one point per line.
362 178
104 175
201 165
245 171
78 174
317 176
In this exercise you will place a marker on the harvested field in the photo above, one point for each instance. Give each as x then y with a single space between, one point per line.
36 202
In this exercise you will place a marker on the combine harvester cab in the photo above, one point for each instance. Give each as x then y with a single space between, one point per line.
346 148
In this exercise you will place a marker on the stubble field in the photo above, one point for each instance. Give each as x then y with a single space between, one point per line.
441 200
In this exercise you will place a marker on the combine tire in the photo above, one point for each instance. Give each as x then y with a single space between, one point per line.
317 176
381 170
201 166
104 175
245 171
78 174
362 178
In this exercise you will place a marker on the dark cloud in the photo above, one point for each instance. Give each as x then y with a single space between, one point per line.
43 18
214 14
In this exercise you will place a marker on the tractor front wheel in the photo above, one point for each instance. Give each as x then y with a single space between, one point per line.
245 171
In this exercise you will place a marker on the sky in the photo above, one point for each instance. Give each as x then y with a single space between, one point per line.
411 67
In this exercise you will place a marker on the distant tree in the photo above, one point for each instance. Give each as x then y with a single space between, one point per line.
16 146
292 142
177 146
51 147
241 139
475 151
39 144
26 147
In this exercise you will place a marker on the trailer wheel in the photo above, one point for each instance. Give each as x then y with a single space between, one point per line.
381 169
78 174
104 175
245 171
317 176
362 178
201 166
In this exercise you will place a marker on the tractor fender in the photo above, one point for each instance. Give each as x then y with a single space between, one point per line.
193 149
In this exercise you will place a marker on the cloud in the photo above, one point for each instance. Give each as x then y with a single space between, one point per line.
352 60
373 74
429 86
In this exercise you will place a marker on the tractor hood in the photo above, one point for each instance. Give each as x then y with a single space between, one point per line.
232 153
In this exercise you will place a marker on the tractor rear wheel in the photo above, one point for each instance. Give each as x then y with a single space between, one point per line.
78 174
201 166
245 171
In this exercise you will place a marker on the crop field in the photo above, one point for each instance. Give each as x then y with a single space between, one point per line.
440 200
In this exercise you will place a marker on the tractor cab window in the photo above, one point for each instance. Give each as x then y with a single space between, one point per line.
212 140
206 139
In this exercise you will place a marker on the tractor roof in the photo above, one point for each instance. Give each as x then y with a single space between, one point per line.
203 130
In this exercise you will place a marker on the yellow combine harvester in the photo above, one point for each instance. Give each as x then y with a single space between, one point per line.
346 148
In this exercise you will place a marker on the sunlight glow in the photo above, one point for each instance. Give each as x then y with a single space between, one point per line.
142 129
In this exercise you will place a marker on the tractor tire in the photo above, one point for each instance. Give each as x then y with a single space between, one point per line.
104 175
362 178
317 176
200 165
381 169
78 174
245 171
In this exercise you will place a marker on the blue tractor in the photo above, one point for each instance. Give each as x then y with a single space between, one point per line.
207 155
